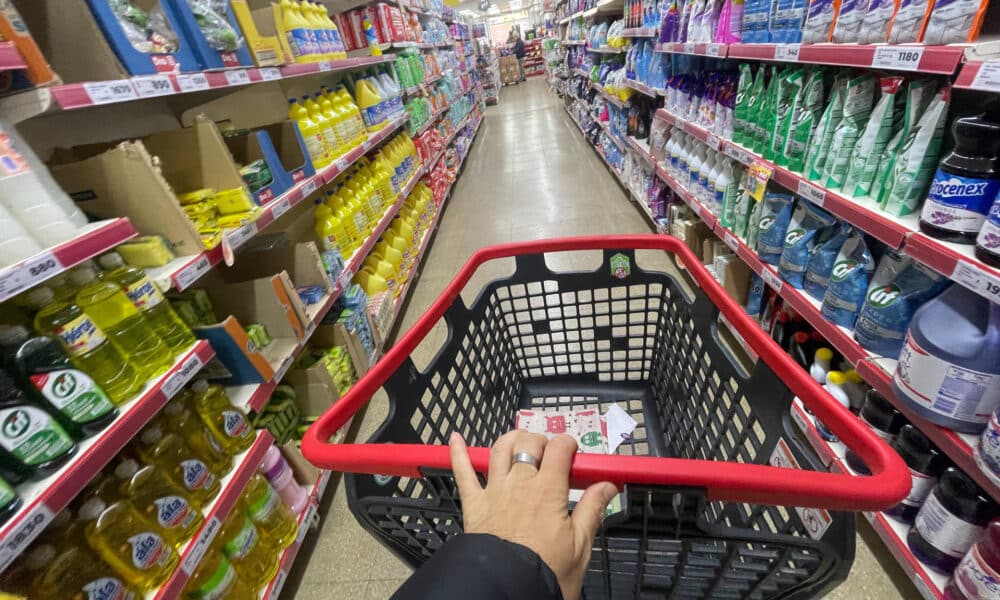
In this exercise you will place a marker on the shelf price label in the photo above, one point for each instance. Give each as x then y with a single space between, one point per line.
690 48
732 241
713 142
982 282
902 58
344 279
238 77
987 77
150 87
738 154
771 278
279 582
107 92
270 74
280 207
28 273
712 49
236 238
24 532
309 187
324 66
787 52
811 193
192 272
201 545
174 383
193 83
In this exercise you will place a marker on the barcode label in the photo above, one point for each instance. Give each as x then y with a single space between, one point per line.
192 272
28 273
978 280
771 278
732 241
201 545
174 383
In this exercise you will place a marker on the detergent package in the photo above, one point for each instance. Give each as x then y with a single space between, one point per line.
821 259
765 113
858 96
850 16
819 21
875 27
741 214
753 223
788 93
908 21
808 221
775 214
912 169
918 94
743 86
954 21
848 282
874 138
805 115
899 287
819 143
754 101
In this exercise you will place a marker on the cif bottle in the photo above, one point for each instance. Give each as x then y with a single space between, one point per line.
264 507
216 578
79 403
187 467
241 543
226 423
129 542
965 184
148 299
87 345
115 314
32 443
312 137
326 127
74 572
161 500
178 419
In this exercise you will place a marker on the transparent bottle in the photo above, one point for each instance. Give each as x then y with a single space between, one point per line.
227 424
272 518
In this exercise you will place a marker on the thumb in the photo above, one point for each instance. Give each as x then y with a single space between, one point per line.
590 510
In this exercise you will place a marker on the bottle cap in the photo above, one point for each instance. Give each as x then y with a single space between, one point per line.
824 355
174 408
91 509
13 335
40 556
111 261
126 468
82 276
852 376
200 386
40 297
151 435
836 378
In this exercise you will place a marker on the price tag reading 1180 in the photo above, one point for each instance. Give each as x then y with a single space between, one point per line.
902 58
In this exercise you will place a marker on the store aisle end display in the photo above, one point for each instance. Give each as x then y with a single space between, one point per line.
852 211
186 283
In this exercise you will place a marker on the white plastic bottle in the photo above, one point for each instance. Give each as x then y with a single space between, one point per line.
821 365
694 167
16 243
670 151
713 179
835 381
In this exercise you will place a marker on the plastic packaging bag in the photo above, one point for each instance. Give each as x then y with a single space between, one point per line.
858 96
918 95
148 32
875 27
908 20
755 99
849 19
819 143
874 138
803 230
821 260
783 106
848 282
775 214
819 21
914 165
743 86
755 296
765 114
954 21
805 116
211 18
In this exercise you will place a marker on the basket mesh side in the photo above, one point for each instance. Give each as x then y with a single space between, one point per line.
543 340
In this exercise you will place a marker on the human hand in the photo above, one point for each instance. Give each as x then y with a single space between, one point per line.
528 505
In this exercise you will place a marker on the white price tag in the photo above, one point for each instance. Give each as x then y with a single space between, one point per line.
324 480
280 207
279 582
738 154
241 235
712 142
787 52
342 164
732 241
712 50
29 272
344 279
695 206
270 74
201 545
174 383
325 66
309 187
811 193
771 278
23 533
193 82
982 282
106 92
689 48
149 87
192 272
799 420
987 77
283 369
238 77
903 58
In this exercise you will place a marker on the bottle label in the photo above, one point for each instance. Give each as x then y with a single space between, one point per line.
958 203
235 424
148 550
989 235
975 578
314 145
261 509
106 588
144 294
299 42
987 454
196 475
81 335
243 542
944 388
920 486
174 512
74 394
943 530
218 584
32 436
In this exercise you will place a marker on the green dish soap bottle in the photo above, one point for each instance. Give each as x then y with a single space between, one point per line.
32 443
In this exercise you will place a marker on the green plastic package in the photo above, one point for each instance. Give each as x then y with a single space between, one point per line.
755 97
858 96
919 93
819 143
874 138
765 115
805 116
743 89
916 161
783 106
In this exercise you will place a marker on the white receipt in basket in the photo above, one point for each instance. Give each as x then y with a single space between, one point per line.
619 427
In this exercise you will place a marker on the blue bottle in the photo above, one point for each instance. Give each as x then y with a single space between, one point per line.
949 368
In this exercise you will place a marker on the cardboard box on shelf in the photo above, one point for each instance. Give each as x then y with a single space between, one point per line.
302 263
256 20
209 57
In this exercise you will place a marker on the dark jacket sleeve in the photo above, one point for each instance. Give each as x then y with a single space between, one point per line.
483 567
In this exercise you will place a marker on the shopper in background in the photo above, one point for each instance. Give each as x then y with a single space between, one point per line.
519 541
519 53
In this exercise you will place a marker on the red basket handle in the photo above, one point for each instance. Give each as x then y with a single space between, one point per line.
742 482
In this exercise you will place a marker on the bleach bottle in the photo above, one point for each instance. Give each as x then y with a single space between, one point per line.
949 368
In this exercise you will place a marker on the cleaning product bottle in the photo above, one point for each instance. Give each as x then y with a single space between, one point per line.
161 500
10 502
81 405
326 127
264 507
216 578
835 381
296 31
277 471
129 542
74 572
885 421
965 184
371 38
322 37
185 465
88 346
311 134
227 424
177 418
988 240
148 299
370 104
949 368
354 111
925 462
255 562
978 574
821 364
114 313
337 121
32 443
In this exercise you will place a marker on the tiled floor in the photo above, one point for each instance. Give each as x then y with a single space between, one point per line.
530 175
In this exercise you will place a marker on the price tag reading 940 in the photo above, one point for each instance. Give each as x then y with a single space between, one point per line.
771 278
193 83
787 52
979 280
238 77
811 193
902 58
149 87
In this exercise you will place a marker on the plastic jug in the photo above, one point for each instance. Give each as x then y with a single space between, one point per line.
32 443
73 572
241 543
338 121
185 465
370 104
87 345
160 500
312 136
114 313
330 234
297 32
949 368
326 127
216 578
227 424
322 36
264 507
390 254
835 381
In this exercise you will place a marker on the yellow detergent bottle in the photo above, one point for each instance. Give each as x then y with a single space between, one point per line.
394 256
87 345
360 192
297 32
147 298
216 579
370 177
74 572
161 500
273 519
311 134
114 313
179 419
255 562
352 206
326 127
339 52
370 104
327 41
183 464
347 101
336 120
129 542
227 424
370 281
335 202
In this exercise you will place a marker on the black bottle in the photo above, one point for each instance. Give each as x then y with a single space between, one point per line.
884 420
926 463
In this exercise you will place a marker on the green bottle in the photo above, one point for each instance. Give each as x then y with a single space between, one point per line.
32 443
10 502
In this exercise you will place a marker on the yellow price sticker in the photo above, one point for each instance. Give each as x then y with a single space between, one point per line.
760 174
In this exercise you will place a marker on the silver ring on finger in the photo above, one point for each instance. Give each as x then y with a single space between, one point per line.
524 457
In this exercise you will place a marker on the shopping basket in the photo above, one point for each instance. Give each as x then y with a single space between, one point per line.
722 500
